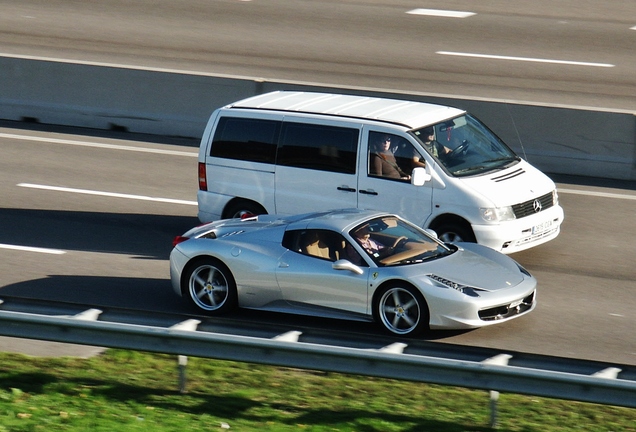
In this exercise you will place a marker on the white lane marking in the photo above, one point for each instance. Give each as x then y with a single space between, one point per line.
525 59
107 194
32 249
633 28
98 145
441 13
597 194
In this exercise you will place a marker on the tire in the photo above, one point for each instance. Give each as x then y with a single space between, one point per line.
239 209
210 286
402 310
453 232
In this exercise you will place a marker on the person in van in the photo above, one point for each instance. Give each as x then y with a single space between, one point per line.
382 161
434 147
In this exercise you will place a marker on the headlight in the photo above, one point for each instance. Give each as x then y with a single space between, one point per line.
497 214
555 198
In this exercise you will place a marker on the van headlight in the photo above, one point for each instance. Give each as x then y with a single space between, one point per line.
497 214
555 198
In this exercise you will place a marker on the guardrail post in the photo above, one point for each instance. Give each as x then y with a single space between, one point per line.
494 400
502 360
183 362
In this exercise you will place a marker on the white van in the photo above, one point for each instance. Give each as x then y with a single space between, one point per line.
439 167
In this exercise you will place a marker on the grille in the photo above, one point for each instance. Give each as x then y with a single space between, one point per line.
528 208
507 311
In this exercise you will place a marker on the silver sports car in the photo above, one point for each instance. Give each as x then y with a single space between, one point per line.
349 264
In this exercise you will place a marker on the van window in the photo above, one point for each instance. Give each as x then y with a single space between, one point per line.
246 139
464 146
392 156
324 148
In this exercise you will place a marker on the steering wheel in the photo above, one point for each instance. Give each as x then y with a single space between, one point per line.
401 239
459 149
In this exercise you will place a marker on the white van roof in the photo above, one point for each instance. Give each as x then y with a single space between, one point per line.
407 113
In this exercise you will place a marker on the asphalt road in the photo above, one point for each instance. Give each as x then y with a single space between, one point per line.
565 52
90 219
103 216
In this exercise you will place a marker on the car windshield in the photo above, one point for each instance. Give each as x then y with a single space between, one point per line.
391 241
464 146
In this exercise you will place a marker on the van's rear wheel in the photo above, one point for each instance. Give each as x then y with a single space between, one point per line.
240 209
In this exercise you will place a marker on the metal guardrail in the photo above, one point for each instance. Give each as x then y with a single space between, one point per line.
389 362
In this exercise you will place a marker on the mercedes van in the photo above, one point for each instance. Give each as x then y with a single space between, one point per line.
290 152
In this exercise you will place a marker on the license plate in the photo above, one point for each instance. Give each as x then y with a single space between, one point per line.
537 229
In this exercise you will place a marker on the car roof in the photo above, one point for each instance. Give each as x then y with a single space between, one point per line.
406 113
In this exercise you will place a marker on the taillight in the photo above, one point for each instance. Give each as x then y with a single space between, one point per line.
179 239
203 180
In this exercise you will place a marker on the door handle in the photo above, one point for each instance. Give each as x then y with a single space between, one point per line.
346 189
368 192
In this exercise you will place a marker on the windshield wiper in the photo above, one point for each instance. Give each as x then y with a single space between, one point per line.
505 158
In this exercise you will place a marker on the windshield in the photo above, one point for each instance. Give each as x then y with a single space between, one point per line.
391 241
464 146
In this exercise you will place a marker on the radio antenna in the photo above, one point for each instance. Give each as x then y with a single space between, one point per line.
525 156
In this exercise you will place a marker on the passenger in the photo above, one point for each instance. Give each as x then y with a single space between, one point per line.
407 157
383 161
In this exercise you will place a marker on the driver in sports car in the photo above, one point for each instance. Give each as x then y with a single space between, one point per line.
363 236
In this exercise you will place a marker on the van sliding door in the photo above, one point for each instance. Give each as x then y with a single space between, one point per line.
316 166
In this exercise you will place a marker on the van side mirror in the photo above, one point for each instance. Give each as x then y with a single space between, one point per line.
419 176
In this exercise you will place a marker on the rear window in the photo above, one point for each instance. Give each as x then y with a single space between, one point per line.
246 139
325 148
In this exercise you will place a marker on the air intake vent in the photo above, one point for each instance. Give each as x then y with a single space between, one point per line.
509 175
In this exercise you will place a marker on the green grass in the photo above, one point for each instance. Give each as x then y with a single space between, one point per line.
132 391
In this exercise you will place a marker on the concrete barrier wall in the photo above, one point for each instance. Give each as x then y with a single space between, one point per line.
562 140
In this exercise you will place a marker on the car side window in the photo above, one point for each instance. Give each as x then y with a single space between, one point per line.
318 147
246 139
392 156
323 244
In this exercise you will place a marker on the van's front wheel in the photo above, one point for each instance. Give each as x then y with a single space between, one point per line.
453 232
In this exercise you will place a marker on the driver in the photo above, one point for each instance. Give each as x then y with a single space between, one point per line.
434 147
363 236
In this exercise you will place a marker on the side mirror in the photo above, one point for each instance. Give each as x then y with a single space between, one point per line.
419 176
344 264
432 233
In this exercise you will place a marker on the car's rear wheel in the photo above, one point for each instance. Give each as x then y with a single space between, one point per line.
402 310
210 286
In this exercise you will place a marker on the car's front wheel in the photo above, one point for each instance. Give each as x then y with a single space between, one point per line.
402 310
210 286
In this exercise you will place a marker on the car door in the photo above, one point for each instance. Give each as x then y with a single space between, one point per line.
311 281
316 165
378 191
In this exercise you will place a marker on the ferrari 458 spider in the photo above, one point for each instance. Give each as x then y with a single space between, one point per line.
349 264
